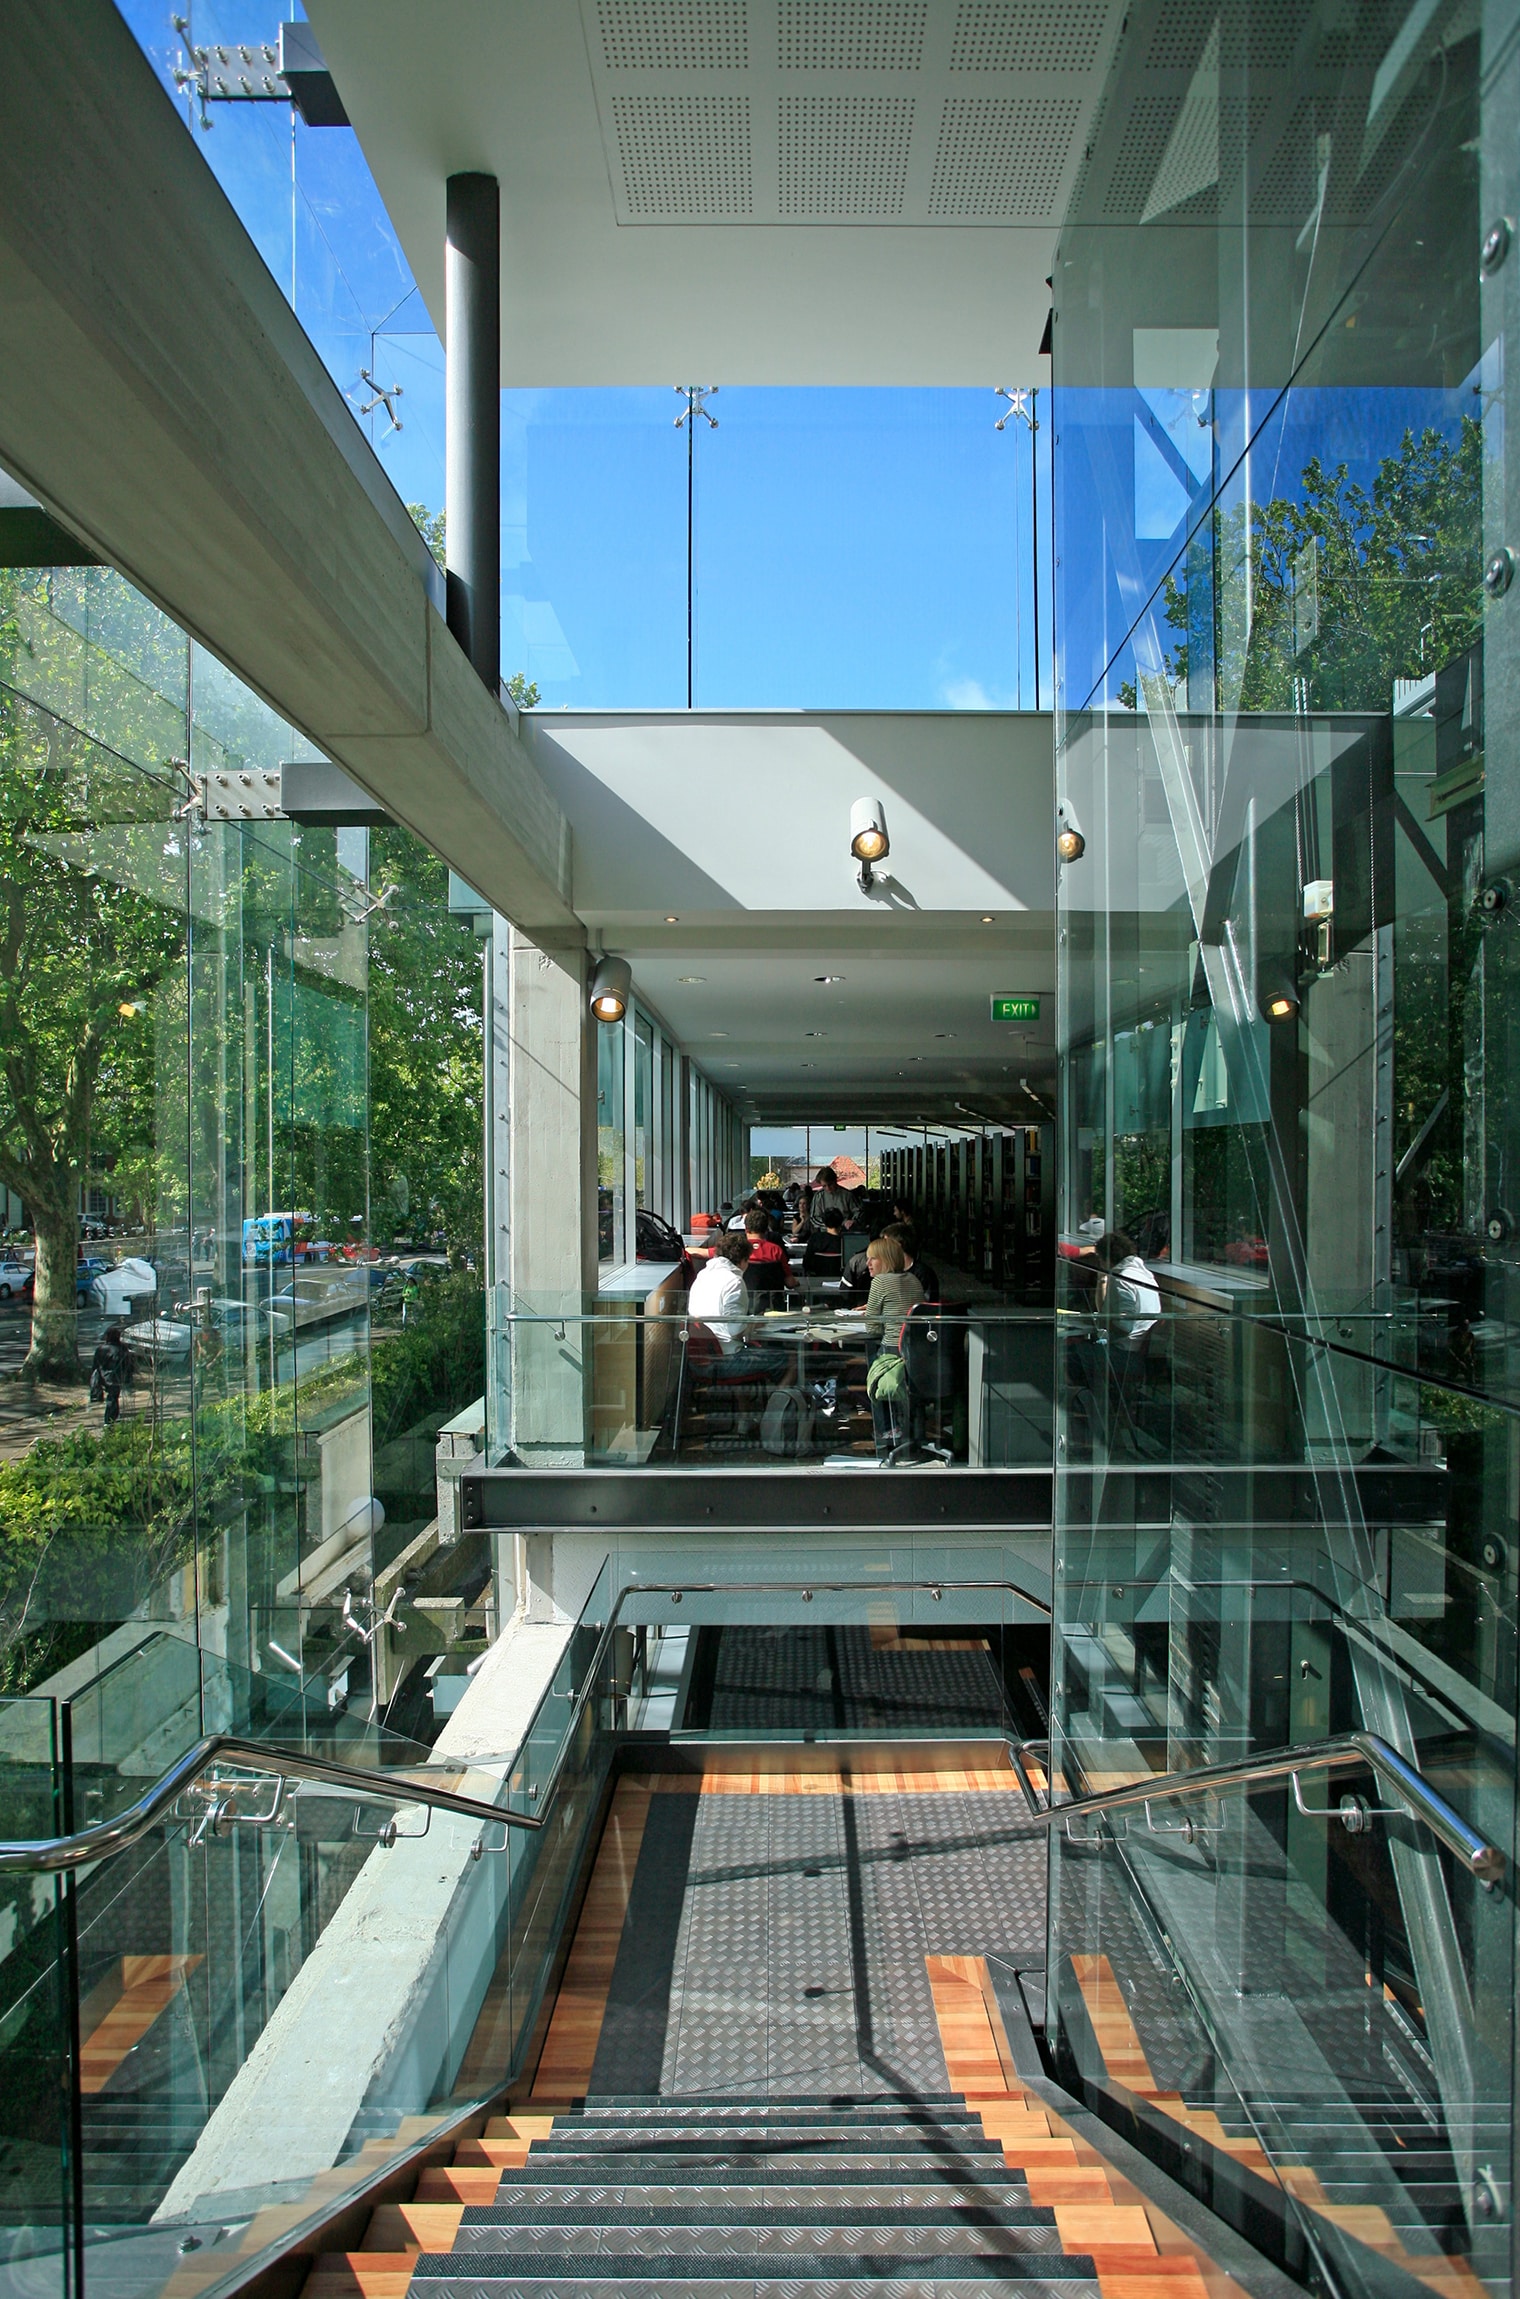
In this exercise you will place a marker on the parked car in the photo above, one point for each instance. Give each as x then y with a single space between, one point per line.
313 1300
163 1337
15 1278
655 1240
159 1337
89 1267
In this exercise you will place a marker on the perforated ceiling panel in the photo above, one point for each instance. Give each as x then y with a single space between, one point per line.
1002 158
684 156
851 35
674 35
1028 35
863 112
844 155
1206 110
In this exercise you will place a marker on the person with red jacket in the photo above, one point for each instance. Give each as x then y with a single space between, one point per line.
768 1269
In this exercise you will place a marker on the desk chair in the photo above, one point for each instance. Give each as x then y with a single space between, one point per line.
729 1389
933 1348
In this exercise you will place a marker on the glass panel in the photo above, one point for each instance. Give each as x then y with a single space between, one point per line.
880 539
643 1102
594 543
611 1168
1284 1094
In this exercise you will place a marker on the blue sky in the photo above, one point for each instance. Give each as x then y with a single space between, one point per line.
866 549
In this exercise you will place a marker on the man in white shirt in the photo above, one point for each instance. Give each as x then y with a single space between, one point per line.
719 1297
1128 1294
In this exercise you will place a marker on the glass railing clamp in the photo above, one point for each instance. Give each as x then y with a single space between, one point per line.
1353 1812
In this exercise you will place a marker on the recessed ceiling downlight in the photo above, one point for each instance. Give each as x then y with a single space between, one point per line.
828 977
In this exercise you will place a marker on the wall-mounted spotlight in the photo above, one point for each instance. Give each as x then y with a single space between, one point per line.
869 843
611 988
1070 844
1280 1002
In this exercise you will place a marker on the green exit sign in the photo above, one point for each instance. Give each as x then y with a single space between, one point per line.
1015 1009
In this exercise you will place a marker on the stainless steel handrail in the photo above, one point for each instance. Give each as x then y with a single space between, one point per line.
50 1854
1349 1749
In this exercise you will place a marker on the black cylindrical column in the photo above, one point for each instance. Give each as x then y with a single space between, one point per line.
473 461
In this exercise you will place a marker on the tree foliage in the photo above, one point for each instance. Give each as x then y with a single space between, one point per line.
1320 601
426 1059
83 957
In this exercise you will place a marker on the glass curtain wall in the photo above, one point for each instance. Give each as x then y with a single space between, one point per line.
194 1517
667 1141
1285 506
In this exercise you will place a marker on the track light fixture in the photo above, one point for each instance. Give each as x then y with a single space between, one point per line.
869 842
611 988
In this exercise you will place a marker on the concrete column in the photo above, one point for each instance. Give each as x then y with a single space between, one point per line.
551 1244
473 470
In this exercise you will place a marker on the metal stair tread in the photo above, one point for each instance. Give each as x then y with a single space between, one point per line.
1031 2217
1009 2187
627 2267
751 2234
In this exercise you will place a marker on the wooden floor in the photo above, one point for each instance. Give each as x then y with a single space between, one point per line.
149 1985
564 2069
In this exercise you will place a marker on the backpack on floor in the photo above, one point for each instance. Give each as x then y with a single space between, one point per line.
786 1425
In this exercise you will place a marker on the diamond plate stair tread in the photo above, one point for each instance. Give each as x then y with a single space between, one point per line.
731 2282
647 2234
932 2212
633 2267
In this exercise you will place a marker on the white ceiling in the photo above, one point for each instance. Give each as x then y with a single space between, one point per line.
750 191
905 1034
717 847
726 817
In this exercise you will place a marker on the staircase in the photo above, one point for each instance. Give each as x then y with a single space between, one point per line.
911 2195
647 2195
1353 2153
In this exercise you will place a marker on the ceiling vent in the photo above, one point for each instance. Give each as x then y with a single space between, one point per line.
1002 158
674 35
684 156
844 155
851 35
1028 35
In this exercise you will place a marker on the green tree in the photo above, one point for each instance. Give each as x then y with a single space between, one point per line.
81 959
1320 602
426 1049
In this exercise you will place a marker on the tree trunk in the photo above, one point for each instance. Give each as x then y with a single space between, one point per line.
54 1354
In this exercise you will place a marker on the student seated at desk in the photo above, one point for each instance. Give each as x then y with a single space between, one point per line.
893 1292
907 1237
768 1270
824 1254
720 1301
718 1298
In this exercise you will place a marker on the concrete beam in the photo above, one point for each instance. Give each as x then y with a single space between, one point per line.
158 394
